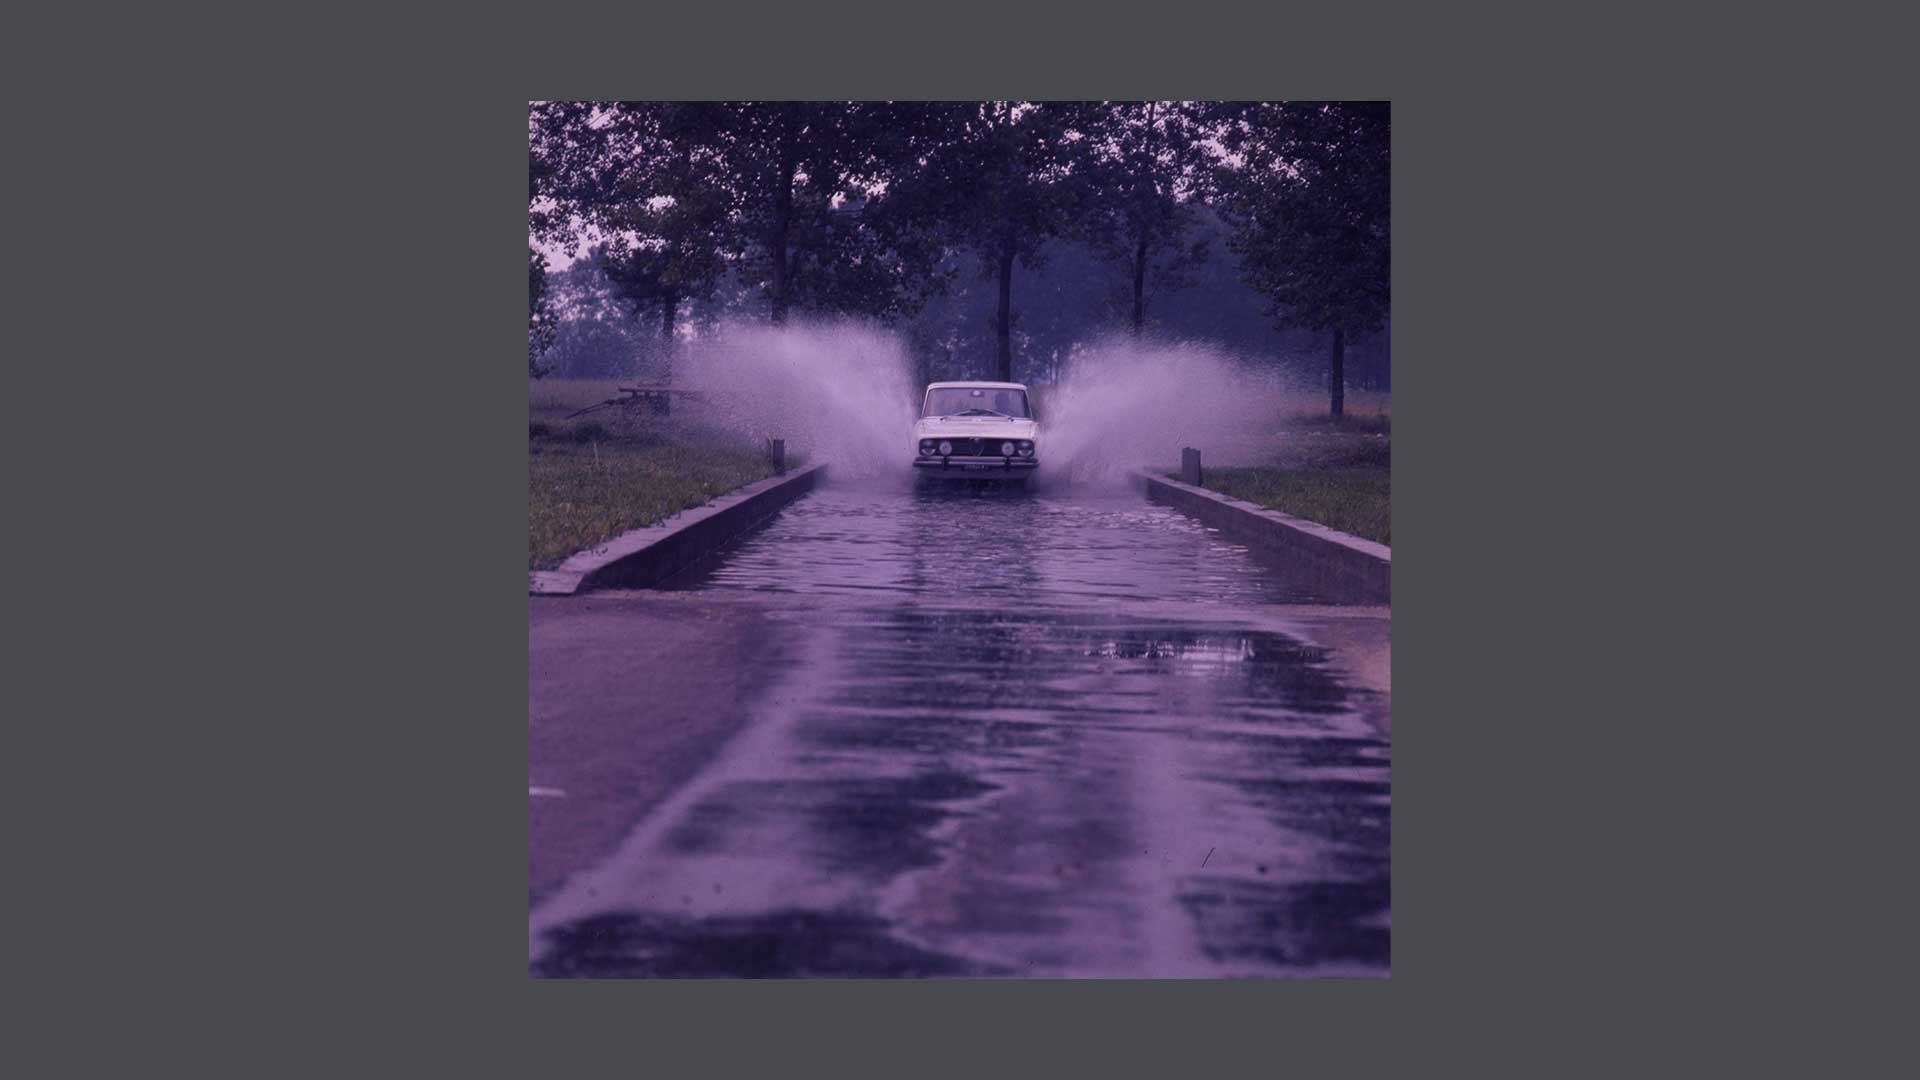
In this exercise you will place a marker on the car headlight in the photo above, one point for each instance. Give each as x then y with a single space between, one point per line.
926 447
1006 449
945 448
1026 447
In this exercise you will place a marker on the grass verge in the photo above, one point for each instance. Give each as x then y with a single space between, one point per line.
587 485
1344 484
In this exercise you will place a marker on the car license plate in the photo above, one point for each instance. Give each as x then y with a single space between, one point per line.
976 468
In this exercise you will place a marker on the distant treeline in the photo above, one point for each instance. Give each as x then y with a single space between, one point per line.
1261 226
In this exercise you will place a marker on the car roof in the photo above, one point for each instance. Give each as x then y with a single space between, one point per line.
980 385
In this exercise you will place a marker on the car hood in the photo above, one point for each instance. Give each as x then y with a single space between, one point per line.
974 427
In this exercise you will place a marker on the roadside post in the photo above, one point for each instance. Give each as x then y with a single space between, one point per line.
777 452
1190 466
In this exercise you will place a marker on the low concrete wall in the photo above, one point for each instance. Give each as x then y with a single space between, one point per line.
645 557
1360 569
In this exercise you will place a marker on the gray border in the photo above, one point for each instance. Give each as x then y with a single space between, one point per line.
395 857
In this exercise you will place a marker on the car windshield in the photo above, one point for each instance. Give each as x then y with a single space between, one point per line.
976 401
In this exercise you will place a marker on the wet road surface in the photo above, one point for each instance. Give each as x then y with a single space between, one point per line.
1064 733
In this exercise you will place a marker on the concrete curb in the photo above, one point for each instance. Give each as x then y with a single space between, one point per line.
645 557
1358 567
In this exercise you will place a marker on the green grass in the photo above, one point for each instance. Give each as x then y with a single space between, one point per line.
552 399
1349 488
587 485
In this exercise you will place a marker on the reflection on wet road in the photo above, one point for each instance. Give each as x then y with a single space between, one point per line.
1059 734
987 546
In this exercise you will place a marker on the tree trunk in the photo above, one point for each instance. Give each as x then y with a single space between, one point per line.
777 244
1140 286
1339 373
1140 249
669 311
1003 325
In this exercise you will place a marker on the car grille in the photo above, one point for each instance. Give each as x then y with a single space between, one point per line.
975 447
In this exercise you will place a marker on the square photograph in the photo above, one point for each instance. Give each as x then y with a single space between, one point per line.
959 539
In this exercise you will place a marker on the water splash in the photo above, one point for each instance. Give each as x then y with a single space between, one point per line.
836 391
842 392
1127 404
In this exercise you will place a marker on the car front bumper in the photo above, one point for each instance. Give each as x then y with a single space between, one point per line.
979 467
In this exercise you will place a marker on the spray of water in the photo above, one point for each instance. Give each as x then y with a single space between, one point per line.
837 392
841 392
1127 404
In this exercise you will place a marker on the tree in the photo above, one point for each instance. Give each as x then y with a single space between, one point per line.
649 179
999 177
541 321
818 229
793 163
1146 166
1310 202
544 223
785 198
596 334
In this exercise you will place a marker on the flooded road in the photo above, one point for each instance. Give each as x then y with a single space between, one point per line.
1060 734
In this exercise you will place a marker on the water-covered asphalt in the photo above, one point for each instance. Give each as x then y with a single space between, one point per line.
1065 733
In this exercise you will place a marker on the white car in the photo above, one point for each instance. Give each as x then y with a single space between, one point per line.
976 431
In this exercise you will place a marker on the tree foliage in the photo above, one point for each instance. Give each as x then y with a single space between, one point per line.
1000 178
1311 199
649 180
690 210
597 335
1147 169
541 320
785 196
814 228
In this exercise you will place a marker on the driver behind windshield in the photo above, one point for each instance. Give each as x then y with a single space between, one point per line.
960 402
